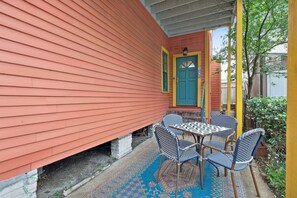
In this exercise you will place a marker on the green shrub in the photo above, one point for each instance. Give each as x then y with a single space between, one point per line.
277 177
270 113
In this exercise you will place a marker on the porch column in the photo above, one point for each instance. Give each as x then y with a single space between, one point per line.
239 66
291 157
229 73
206 81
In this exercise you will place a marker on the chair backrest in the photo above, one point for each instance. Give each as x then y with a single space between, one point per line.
224 121
171 119
247 145
168 142
215 113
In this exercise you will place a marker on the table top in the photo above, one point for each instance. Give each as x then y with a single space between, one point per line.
199 128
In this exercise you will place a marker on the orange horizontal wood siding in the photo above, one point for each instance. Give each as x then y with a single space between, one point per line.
73 75
215 86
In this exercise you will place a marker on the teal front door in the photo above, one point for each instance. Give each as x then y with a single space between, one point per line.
186 81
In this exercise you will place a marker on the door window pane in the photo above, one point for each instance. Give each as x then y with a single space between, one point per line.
187 64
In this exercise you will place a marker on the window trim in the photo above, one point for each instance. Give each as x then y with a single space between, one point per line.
163 49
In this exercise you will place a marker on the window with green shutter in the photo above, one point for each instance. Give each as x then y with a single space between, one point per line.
165 70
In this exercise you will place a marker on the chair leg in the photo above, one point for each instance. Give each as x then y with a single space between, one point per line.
158 174
225 172
197 160
254 180
181 167
177 178
218 171
200 172
234 185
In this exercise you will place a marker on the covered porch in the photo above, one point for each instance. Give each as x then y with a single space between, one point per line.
77 74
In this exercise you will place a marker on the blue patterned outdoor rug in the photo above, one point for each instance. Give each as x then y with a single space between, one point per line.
138 179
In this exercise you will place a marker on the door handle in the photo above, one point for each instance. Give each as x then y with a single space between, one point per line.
176 80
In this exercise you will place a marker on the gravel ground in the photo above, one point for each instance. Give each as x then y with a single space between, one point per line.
64 174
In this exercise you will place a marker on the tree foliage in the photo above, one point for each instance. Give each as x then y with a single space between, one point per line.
265 26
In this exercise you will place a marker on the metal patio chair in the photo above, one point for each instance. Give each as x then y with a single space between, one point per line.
169 147
172 119
215 113
224 121
243 155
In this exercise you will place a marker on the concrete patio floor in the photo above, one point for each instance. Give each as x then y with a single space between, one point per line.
117 166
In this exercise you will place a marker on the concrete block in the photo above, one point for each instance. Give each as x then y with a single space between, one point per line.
121 146
22 186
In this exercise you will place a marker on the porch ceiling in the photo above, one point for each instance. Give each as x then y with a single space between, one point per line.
179 17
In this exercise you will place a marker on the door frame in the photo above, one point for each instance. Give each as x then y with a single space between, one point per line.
175 56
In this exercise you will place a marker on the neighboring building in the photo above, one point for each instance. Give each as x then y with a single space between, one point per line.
272 84
224 93
275 82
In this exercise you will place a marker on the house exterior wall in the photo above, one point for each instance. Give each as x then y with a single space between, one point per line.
277 83
215 86
75 74
277 60
195 43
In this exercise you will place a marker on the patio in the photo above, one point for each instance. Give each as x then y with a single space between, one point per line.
112 182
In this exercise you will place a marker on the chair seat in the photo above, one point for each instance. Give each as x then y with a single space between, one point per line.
217 144
225 161
188 154
185 143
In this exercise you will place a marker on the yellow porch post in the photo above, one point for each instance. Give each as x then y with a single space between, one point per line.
206 80
229 73
239 66
291 156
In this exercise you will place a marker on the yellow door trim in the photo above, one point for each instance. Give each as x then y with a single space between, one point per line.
175 56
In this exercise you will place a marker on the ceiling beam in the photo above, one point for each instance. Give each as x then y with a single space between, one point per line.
195 6
166 5
199 20
199 26
197 30
152 2
192 15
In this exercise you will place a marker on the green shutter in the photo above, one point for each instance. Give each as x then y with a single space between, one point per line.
165 71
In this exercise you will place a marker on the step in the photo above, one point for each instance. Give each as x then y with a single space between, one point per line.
189 115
